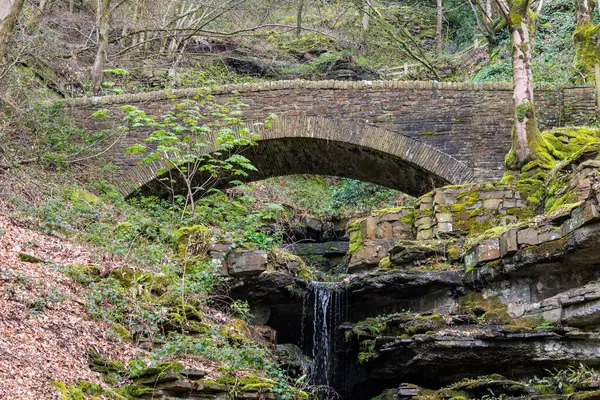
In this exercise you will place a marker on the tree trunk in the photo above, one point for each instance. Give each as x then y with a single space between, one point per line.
9 11
587 52
438 34
102 22
299 18
527 142
366 16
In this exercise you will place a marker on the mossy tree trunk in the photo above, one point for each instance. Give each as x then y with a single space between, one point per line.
587 52
527 142
9 11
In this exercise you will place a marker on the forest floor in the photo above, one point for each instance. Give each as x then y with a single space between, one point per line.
44 329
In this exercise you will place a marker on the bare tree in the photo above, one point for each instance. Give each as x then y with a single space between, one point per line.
299 18
440 20
9 11
527 142
102 25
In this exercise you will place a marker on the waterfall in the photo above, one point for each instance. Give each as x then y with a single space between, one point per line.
326 300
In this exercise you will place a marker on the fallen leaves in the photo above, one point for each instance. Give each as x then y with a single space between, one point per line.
44 328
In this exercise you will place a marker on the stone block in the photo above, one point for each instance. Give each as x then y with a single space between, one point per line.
440 197
551 302
550 235
425 234
528 237
509 203
508 242
443 217
247 263
586 213
492 204
385 230
369 228
553 316
424 222
302 249
516 310
584 314
487 250
427 200
444 227
473 206
336 248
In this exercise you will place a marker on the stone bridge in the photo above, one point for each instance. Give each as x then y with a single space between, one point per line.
410 136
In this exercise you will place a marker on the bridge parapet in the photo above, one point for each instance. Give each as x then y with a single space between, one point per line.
470 122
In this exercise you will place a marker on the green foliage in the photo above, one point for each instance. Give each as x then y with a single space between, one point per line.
197 143
57 138
564 382
41 304
329 197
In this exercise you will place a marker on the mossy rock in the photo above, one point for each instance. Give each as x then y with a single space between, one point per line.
30 259
249 382
122 332
99 364
192 241
355 233
490 310
75 195
497 384
593 395
84 274
156 370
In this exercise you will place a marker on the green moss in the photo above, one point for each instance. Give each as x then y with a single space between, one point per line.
29 258
474 225
490 309
306 273
158 369
355 233
83 390
122 332
427 133
192 241
84 274
454 252
587 53
468 198
524 110
389 210
531 189
75 195
99 364
385 263
592 395
247 382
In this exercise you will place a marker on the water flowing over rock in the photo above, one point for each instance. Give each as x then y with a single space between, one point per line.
328 304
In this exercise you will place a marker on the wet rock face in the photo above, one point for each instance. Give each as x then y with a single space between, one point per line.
321 244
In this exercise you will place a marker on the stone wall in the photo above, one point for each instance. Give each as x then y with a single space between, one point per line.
468 121
449 213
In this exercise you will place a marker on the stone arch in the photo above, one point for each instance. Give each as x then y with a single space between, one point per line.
324 146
